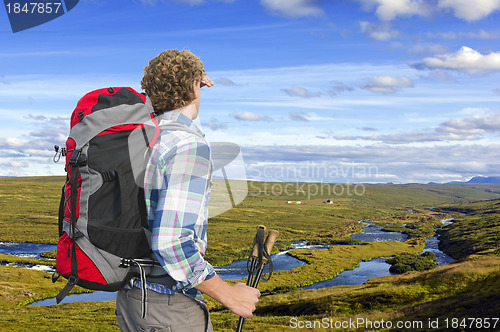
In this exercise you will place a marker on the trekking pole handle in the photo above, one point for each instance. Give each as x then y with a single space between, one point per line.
271 237
273 234
255 252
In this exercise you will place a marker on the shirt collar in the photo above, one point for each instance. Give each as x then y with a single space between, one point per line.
175 116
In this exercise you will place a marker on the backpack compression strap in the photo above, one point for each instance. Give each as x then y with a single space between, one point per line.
76 160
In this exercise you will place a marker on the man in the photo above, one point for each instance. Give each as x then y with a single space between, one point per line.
177 188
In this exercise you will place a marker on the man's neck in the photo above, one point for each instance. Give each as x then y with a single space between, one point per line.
190 111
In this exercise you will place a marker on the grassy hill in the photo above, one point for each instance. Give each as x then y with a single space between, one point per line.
475 231
468 288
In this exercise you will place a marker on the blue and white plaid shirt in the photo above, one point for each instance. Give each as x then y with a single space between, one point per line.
177 188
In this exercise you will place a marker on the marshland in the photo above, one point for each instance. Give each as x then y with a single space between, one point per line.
469 287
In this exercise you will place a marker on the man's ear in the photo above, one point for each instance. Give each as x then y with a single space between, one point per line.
196 88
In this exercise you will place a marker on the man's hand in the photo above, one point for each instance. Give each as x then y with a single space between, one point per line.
240 298
206 81
243 301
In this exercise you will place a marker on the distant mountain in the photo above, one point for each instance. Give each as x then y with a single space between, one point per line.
476 180
485 179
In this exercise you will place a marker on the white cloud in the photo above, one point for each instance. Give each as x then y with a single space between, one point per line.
428 49
374 163
480 34
294 116
465 60
463 129
10 142
477 111
297 91
249 116
225 81
388 10
293 8
440 76
387 84
470 10
315 117
37 143
472 125
339 88
381 32
60 87
36 54
14 164
214 124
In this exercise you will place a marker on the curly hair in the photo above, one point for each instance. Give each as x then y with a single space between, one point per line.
168 79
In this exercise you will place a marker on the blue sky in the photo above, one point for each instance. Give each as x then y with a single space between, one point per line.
334 91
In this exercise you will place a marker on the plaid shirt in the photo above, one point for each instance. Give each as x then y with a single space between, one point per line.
177 189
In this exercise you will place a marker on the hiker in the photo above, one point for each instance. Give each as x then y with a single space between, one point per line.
177 186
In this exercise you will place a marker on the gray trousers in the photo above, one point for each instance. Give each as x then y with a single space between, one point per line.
165 312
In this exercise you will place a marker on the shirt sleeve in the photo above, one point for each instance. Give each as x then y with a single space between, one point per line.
180 216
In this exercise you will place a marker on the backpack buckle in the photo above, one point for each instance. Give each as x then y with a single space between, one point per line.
108 176
126 262
78 158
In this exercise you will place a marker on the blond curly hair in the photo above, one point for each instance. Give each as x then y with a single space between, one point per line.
168 79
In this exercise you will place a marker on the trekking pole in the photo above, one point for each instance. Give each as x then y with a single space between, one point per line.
271 237
259 258
253 261
258 249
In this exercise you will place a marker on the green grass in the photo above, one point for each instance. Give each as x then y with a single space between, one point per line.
29 209
406 262
450 291
477 232
232 232
467 288
7 258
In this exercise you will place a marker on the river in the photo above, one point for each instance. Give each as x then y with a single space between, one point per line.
235 271
281 262
377 267
372 233
27 250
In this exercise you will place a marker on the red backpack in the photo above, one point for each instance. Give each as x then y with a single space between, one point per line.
102 223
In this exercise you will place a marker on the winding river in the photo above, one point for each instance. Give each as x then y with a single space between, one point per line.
281 262
377 267
27 250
